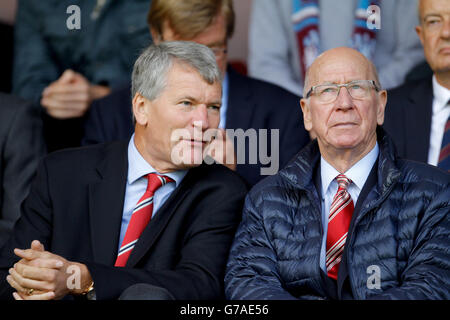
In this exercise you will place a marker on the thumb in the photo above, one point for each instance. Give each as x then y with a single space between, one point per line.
67 76
36 245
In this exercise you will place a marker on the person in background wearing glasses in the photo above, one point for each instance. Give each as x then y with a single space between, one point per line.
418 113
246 103
347 219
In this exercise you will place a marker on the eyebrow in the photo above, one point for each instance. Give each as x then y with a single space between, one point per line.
435 15
336 82
219 102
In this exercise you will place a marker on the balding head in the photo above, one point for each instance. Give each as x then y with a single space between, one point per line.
336 59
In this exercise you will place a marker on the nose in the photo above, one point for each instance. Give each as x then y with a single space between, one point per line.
200 119
445 31
344 99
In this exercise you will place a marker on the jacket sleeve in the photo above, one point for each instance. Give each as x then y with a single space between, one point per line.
22 150
252 264
34 223
33 67
427 274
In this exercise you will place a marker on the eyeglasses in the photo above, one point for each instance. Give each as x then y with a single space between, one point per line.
358 89
219 52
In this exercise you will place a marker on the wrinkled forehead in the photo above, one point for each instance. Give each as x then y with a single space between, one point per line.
340 69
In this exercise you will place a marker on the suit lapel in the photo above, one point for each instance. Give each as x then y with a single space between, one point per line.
418 121
240 107
157 225
106 198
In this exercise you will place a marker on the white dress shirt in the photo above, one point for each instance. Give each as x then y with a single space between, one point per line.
440 113
358 174
138 168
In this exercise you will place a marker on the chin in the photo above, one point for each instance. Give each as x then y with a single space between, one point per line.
347 142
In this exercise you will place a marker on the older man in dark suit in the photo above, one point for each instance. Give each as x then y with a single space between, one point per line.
247 103
115 215
22 144
418 113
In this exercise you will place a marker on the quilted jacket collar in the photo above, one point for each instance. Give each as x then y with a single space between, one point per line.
299 172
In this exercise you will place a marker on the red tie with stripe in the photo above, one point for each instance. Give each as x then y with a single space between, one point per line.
140 218
341 212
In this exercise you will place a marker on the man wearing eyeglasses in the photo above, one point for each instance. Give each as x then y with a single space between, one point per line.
418 112
346 219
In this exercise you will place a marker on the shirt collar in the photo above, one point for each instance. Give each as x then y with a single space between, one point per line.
441 96
358 173
138 166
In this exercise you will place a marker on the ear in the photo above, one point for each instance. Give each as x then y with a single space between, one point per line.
382 100
156 36
419 31
304 104
140 109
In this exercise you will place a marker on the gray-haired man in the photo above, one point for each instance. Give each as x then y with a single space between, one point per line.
147 212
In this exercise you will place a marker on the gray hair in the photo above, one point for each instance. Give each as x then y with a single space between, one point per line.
150 70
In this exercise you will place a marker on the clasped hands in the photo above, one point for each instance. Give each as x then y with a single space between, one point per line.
42 275
71 95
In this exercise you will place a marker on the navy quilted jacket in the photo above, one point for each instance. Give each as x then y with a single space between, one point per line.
403 228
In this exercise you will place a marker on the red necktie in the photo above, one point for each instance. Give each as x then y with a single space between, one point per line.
341 211
140 218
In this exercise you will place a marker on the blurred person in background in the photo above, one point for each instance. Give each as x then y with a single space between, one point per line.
418 113
286 36
7 17
67 55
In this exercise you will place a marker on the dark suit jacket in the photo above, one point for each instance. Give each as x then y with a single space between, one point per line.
251 104
21 145
75 209
408 119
